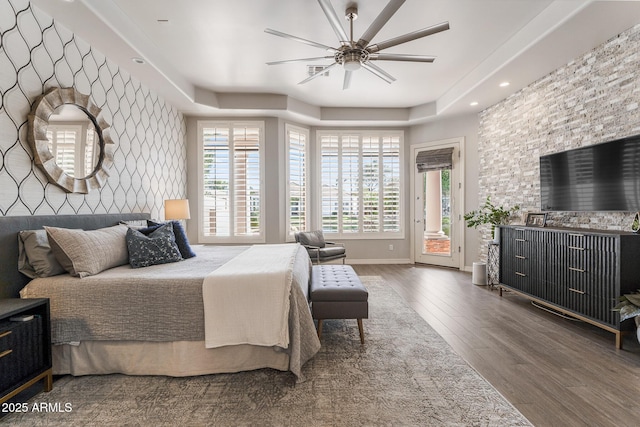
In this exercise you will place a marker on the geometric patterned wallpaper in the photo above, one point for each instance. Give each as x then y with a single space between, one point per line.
149 135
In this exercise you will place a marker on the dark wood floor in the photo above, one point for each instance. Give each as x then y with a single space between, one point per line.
556 372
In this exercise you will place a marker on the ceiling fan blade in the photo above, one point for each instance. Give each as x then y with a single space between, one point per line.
408 37
347 79
374 69
335 22
318 73
287 61
400 57
299 39
384 16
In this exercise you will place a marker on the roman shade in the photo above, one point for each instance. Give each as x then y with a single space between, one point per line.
434 160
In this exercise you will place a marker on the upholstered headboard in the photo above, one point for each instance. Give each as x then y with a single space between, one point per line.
11 280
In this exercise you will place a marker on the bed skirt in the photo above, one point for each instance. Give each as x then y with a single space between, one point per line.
174 359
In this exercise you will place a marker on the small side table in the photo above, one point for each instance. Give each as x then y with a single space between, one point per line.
493 264
25 346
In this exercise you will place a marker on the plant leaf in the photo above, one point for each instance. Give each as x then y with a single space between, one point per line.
629 311
623 303
633 299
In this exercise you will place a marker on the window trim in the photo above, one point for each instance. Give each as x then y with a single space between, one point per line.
361 134
289 235
261 237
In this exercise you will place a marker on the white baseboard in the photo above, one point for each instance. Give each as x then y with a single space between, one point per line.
466 268
379 261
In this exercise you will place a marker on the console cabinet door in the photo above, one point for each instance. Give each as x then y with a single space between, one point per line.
521 247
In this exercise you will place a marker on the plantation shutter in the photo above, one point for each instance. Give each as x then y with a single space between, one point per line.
361 181
330 183
231 181
351 192
246 180
391 184
216 207
297 181
90 152
64 144
434 160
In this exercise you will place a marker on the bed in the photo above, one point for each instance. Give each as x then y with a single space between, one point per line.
150 321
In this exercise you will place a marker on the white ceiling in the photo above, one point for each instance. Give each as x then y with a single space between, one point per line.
209 58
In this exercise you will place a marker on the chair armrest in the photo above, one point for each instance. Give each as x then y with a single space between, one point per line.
334 243
311 247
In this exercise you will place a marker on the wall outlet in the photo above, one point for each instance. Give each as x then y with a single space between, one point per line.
390 247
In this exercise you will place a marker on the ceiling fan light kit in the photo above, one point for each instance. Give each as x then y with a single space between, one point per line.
352 55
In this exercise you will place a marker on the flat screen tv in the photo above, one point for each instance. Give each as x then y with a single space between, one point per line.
600 177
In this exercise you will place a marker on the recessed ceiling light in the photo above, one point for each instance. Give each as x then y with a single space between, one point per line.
474 103
138 60
504 84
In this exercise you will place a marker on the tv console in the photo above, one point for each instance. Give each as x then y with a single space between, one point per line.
577 272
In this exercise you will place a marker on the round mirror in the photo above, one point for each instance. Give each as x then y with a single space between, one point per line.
70 140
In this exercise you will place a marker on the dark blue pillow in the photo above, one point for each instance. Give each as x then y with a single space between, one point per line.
181 237
159 247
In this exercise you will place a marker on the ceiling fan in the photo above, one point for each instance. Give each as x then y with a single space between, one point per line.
353 55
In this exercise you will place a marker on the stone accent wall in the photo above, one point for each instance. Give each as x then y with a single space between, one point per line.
590 100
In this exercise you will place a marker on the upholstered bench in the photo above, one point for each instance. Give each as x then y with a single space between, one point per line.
338 293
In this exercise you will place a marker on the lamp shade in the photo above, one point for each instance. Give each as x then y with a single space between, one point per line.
176 209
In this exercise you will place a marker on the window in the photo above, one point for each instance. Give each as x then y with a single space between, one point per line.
231 171
297 149
361 181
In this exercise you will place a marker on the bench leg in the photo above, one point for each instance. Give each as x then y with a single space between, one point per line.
319 328
361 330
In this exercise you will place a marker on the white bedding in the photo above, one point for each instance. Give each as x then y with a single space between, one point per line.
260 277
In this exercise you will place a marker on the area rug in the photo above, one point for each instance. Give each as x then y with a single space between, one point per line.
404 375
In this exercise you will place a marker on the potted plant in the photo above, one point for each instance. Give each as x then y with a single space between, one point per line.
629 307
489 214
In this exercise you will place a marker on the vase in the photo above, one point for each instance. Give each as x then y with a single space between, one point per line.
496 234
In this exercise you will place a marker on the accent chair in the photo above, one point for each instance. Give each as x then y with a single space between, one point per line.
319 249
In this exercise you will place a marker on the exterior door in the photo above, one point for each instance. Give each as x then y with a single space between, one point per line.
437 196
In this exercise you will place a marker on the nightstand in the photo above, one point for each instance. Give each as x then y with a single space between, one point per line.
25 346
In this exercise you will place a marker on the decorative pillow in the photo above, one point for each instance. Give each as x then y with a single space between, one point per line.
159 247
151 228
136 224
85 253
35 258
181 237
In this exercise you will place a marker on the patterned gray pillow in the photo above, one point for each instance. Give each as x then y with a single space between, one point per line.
35 257
158 247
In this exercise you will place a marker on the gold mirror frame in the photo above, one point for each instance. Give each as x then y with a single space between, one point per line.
42 109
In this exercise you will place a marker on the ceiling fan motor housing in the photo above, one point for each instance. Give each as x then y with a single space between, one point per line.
351 59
